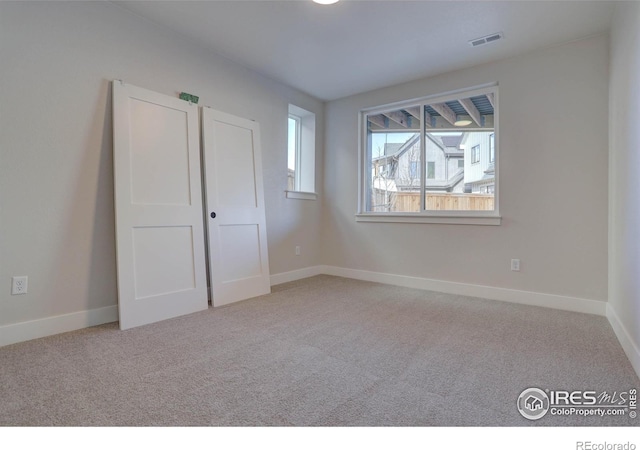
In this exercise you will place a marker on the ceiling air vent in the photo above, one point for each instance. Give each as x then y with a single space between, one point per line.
486 39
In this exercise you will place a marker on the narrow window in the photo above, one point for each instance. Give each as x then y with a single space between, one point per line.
431 170
475 154
301 152
293 182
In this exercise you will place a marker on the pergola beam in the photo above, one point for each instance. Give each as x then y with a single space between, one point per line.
445 112
427 120
468 105
398 117
379 120
414 111
491 99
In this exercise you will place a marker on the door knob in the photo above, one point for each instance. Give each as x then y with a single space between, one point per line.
213 215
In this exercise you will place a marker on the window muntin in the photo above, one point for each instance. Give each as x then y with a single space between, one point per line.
434 166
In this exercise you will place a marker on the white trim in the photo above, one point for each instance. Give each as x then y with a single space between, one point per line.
305 151
626 341
34 329
488 292
10 334
423 218
553 301
299 195
298 274
364 158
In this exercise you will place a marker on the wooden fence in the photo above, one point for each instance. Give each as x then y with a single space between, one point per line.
410 202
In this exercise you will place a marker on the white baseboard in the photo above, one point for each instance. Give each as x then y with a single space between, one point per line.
298 274
34 329
19 332
627 342
492 293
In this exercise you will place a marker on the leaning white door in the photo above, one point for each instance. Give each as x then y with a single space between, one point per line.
158 199
238 259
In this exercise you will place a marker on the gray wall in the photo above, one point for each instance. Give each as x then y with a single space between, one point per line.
56 171
553 116
624 182
56 174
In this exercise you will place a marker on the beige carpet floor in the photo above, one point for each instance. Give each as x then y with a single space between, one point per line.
325 351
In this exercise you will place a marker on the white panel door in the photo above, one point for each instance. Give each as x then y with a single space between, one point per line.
238 259
158 199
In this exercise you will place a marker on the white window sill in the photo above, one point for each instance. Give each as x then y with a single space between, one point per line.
298 195
420 218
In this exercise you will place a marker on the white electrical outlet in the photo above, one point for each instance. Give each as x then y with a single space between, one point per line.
515 265
297 250
18 285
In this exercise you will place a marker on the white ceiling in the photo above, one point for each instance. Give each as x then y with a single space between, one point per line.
357 45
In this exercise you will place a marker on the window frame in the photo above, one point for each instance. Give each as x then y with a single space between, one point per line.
305 165
492 147
475 154
426 216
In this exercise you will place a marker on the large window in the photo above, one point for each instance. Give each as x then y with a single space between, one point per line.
431 159
301 154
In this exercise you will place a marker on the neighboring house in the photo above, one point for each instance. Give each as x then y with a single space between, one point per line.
398 169
479 162
291 179
461 163
445 164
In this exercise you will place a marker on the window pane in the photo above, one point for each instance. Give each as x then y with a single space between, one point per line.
301 150
464 176
431 170
445 163
393 159
459 139
292 153
475 154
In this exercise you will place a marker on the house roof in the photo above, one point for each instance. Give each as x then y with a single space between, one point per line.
437 140
408 144
392 148
452 141
445 185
